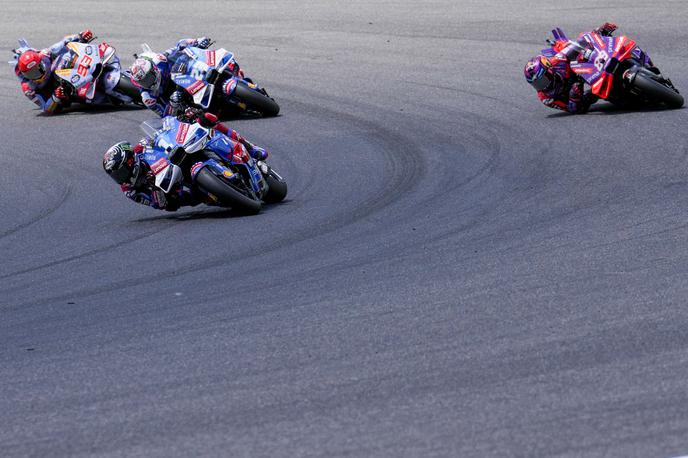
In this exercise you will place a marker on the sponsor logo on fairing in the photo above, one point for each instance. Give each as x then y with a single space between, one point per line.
210 58
159 165
181 133
195 168
83 91
195 87
583 70
598 40
228 87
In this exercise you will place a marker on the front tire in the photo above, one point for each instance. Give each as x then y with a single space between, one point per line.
277 188
654 90
225 194
255 101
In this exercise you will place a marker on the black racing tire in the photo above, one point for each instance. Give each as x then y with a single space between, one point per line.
277 189
225 194
656 91
255 101
126 87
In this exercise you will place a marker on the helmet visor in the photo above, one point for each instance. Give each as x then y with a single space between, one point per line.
34 73
148 80
542 81
125 175
121 175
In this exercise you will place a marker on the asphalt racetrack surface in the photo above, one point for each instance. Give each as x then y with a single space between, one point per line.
457 270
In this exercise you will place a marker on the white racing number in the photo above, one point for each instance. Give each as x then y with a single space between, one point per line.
198 71
600 60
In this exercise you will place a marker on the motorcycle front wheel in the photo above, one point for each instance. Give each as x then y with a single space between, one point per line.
225 194
277 188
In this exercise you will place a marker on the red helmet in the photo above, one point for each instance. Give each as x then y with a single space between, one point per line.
31 65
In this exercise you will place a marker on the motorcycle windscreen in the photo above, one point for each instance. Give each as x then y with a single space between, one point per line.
151 128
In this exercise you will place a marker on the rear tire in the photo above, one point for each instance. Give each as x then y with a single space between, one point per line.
255 101
225 194
656 91
126 87
277 189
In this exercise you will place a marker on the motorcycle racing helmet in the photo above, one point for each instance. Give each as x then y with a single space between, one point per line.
145 74
539 73
122 164
31 65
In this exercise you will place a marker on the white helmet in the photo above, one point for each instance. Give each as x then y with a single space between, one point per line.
145 74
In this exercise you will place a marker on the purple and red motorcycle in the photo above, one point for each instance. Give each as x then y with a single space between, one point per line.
617 70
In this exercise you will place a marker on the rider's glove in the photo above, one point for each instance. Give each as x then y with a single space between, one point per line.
159 199
177 99
203 42
607 29
150 178
584 55
170 201
60 95
193 113
86 36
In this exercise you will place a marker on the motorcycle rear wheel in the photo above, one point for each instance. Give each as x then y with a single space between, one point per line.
126 87
656 91
225 194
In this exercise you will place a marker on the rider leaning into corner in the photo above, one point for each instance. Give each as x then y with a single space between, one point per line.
126 166
35 72
556 84
152 77
34 69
